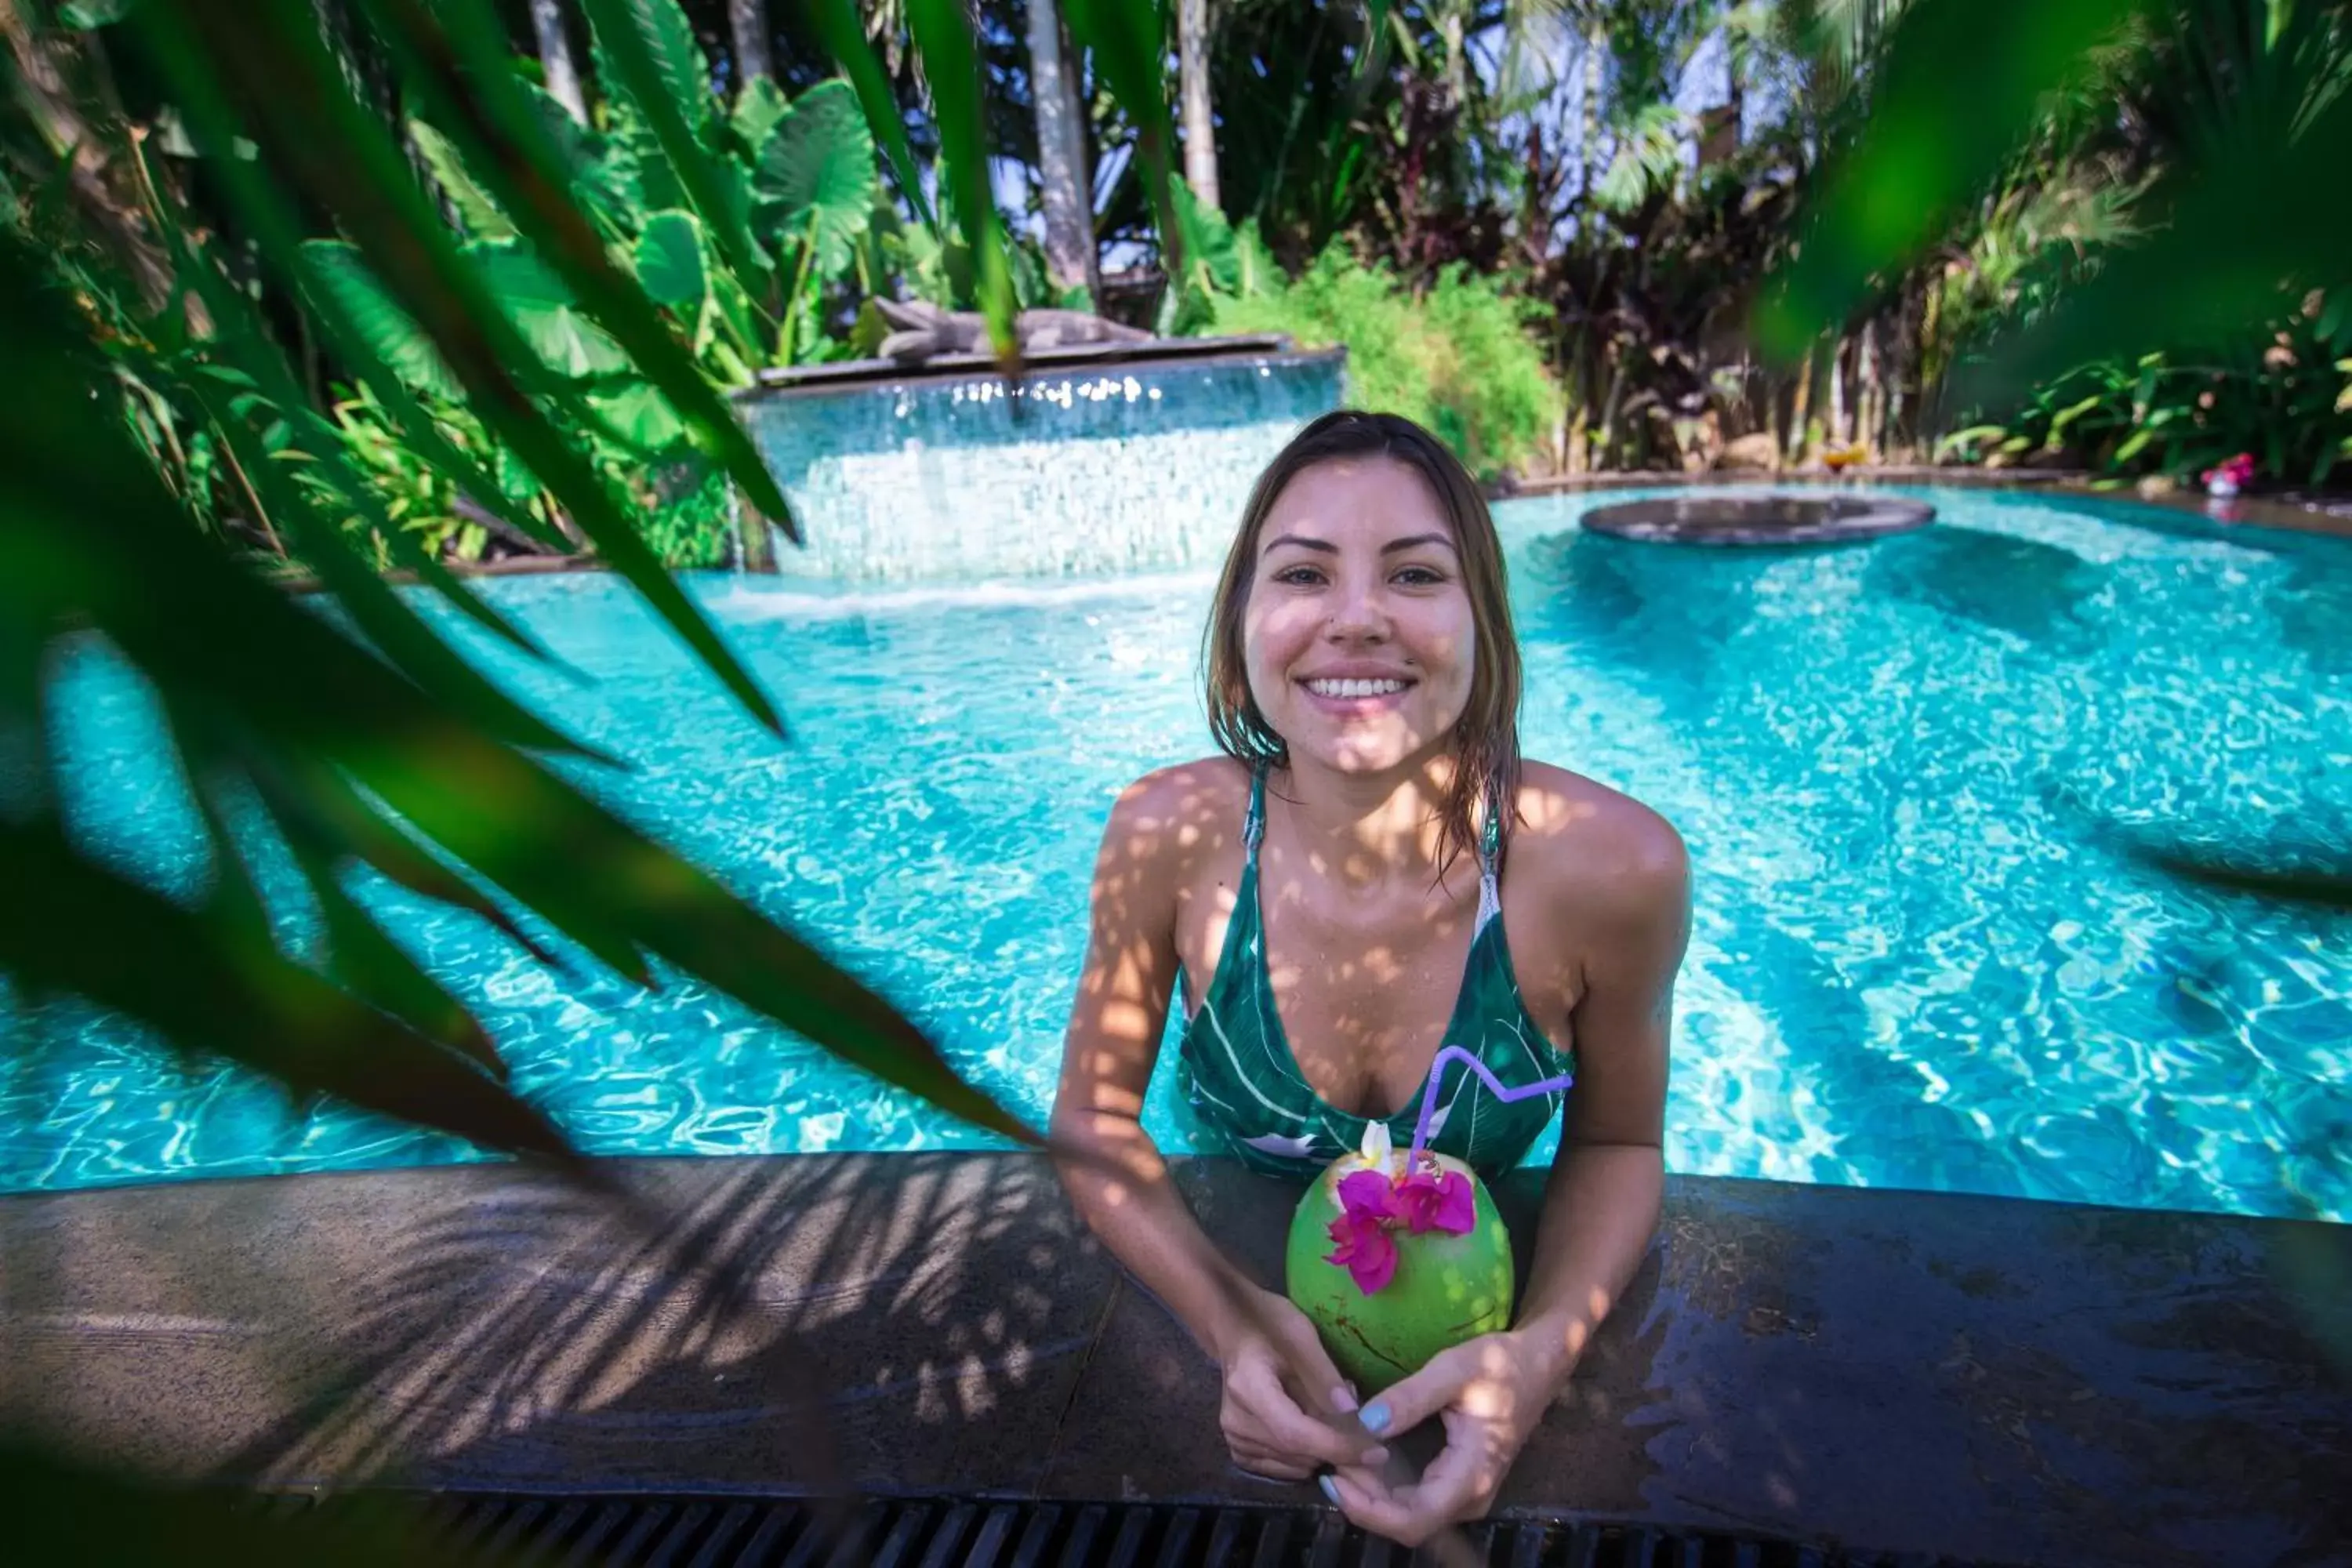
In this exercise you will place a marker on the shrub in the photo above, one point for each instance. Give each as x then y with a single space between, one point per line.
1457 359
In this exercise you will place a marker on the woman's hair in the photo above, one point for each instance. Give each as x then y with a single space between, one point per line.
1486 736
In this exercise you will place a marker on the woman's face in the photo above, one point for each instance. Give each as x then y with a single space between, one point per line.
1358 638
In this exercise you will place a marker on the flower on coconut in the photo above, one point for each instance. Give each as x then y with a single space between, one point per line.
1376 1200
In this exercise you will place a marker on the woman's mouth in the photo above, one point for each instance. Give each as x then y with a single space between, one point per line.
1355 696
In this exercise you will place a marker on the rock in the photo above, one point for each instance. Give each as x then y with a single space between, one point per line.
926 332
1756 451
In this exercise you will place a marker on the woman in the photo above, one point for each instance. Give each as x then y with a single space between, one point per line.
1332 894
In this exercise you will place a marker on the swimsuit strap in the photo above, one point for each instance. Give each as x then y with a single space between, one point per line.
1490 891
1254 825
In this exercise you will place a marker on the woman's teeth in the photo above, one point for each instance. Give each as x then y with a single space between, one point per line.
1355 687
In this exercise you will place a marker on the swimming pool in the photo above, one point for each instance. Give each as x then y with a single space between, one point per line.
1918 959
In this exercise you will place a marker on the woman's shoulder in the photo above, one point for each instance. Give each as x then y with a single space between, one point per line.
1173 814
1594 847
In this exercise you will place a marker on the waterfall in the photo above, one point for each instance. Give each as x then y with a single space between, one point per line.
1136 466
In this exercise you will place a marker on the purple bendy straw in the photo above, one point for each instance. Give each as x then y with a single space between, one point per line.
1437 1074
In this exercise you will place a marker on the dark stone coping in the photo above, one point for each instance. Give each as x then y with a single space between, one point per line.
1995 1378
1778 518
862 373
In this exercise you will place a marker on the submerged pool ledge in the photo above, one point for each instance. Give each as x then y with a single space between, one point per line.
2003 1380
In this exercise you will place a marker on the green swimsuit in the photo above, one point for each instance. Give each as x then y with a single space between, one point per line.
1236 1073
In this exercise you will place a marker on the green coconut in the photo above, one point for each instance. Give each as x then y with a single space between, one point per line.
1446 1289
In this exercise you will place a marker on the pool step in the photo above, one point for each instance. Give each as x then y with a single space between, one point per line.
642 1532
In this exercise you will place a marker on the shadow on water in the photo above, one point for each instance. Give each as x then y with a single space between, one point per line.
2021 586
1663 614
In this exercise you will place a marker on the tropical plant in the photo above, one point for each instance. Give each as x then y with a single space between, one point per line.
1457 357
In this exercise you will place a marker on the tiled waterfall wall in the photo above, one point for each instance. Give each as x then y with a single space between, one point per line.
1102 469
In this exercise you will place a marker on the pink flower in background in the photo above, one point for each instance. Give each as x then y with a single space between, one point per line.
2230 476
1364 1248
1431 1199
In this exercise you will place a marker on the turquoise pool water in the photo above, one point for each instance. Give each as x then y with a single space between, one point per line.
1918 961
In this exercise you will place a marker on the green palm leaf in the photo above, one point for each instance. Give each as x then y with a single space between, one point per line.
951 66
845 39
481 216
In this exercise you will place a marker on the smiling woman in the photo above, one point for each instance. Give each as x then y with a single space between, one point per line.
1329 896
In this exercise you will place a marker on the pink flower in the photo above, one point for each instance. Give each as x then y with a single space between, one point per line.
1364 1246
2238 471
1432 1199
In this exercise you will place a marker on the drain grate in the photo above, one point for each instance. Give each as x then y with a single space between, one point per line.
639 1531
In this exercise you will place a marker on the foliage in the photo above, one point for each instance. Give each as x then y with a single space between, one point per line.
363 736
2285 399
1457 357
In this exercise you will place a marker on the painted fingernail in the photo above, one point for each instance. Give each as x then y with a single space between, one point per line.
1331 1489
1344 1398
1375 1416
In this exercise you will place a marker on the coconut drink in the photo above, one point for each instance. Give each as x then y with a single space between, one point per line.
1393 1265
1397 1255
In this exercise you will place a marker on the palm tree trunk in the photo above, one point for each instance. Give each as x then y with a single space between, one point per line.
1200 127
1587 151
555 57
747 25
1839 429
1070 259
1457 67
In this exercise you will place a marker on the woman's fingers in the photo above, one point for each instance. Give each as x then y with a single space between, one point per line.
1281 1425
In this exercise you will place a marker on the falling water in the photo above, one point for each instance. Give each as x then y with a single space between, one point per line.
1134 467
734 532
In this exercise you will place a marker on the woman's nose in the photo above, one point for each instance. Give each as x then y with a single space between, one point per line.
1358 610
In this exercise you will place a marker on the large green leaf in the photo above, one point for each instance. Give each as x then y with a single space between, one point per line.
389 331
816 173
558 330
480 215
669 261
760 108
640 415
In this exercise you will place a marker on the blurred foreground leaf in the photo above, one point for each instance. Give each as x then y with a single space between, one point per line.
61 1511
1961 85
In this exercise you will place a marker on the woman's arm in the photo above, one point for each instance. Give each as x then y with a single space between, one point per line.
1276 1371
1601 1206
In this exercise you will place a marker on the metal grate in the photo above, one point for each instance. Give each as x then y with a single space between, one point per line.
639 1531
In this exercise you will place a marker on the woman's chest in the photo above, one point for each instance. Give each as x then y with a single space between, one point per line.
1363 988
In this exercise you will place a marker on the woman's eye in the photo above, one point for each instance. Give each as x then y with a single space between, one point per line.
1298 575
1419 577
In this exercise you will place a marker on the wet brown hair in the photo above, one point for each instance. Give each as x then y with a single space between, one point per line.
1486 737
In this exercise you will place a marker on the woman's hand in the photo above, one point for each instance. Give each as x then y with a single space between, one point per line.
1287 1412
1491 1391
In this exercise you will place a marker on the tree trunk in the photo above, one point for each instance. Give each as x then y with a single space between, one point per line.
1838 427
1457 66
1870 429
1587 151
1800 411
555 57
1070 258
747 25
1200 127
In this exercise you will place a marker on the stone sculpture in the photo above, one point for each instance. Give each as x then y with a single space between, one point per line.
923 331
